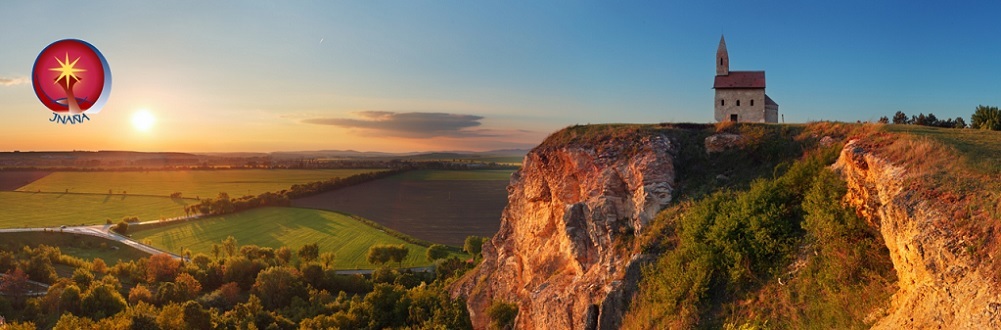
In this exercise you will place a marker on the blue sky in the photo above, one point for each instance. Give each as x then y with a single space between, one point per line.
475 75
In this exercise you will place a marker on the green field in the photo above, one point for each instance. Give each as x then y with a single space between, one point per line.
274 227
443 175
194 183
980 148
80 246
21 209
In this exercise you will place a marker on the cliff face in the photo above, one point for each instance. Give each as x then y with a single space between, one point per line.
565 241
940 286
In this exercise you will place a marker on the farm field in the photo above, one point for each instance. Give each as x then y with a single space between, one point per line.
23 209
192 184
80 246
274 227
11 180
438 206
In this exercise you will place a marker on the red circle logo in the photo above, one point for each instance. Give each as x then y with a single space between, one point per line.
71 76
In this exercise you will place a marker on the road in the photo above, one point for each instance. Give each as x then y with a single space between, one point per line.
102 231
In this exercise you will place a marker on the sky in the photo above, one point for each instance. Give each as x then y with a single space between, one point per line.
397 76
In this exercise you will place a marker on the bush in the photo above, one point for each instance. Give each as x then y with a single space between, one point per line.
986 117
502 315
121 228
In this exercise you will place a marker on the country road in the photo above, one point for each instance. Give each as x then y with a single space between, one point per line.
104 231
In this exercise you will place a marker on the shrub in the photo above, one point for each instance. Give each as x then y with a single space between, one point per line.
502 315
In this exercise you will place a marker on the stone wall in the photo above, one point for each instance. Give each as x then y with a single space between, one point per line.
745 111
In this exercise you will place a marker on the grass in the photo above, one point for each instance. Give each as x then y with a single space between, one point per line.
980 149
195 183
21 209
465 175
274 227
80 246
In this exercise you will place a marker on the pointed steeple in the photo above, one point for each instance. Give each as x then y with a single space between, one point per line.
722 59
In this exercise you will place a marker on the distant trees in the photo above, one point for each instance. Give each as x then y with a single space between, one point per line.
474 245
251 288
436 251
986 117
381 254
900 118
224 204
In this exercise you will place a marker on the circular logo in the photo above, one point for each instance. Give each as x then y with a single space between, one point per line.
71 76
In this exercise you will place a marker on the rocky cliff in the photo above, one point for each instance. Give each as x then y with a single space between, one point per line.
565 241
940 285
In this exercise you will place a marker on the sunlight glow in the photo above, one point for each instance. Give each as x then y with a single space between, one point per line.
143 120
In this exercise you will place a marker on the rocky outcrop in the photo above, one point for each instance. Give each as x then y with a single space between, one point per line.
939 285
564 246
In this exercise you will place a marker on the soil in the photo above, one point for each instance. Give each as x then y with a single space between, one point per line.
11 180
440 211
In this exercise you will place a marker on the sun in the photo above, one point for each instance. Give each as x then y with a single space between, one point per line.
143 120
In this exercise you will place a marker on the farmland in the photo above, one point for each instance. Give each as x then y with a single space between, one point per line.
22 209
437 206
80 246
195 183
274 227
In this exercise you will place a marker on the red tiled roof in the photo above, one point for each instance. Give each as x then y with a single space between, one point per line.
741 79
769 101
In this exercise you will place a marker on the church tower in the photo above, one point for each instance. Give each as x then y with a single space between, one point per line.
722 59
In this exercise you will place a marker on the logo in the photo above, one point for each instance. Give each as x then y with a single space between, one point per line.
72 79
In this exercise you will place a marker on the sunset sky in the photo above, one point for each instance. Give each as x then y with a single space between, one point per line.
480 75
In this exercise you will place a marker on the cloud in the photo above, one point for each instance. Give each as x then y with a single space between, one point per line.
13 81
409 124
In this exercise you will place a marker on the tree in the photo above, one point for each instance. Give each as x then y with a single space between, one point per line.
884 120
196 317
900 118
398 253
15 285
378 254
387 306
215 251
70 299
187 286
140 293
98 266
121 228
327 258
276 286
83 277
309 252
474 245
284 255
502 315
959 123
436 251
229 244
986 117
102 300
161 268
